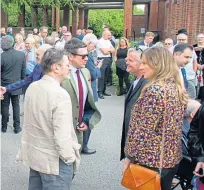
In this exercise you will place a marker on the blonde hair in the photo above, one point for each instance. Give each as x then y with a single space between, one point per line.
148 34
3 30
165 67
20 38
37 41
126 40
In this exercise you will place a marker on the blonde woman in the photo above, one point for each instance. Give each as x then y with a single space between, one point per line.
123 75
155 129
19 45
37 41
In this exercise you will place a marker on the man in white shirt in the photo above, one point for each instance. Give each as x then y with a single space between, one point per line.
183 54
190 68
104 51
59 44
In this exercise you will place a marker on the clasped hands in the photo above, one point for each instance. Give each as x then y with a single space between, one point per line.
82 127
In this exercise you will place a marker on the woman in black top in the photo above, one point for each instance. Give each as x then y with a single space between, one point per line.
123 75
199 49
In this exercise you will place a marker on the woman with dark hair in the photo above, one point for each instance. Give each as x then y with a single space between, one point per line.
155 128
123 75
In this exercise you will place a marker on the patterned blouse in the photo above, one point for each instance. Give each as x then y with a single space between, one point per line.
144 140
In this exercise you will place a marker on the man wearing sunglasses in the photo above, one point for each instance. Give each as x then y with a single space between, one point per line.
78 85
168 43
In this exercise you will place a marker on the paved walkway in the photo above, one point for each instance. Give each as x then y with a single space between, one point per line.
101 171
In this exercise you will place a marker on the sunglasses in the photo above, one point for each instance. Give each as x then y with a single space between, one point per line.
168 44
82 56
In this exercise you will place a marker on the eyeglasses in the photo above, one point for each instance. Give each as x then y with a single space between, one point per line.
82 56
182 40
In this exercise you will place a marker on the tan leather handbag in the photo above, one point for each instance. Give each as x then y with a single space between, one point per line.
137 177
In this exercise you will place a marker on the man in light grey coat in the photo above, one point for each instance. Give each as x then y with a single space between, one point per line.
49 144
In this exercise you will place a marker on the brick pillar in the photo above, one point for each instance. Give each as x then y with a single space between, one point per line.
4 19
81 18
21 17
53 16
86 18
161 18
128 18
44 16
57 18
153 16
35 16
66 16
74 21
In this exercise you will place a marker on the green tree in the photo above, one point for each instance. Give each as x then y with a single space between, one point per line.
114 19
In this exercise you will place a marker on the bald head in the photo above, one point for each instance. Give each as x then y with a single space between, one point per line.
106 35
41 50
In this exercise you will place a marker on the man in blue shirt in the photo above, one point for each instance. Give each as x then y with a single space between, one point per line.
34 76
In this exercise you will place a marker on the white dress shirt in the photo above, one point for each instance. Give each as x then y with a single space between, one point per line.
136 82
85 88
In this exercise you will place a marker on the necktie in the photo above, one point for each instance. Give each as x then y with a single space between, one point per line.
183 71
26 57
81 96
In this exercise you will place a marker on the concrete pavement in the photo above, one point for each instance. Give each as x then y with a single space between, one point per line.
101 171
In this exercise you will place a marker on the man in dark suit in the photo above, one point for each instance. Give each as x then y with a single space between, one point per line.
133 64
13 66
147 42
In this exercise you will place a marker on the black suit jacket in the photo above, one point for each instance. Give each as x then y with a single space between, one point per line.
196 135
141 43
131 98
13 67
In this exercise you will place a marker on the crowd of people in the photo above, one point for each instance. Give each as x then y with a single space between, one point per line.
62 78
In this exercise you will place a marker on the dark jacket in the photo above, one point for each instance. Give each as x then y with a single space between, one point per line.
196 135
130 100
95 74
13 66
141 43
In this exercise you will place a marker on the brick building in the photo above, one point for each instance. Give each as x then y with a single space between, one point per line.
164 16
168 16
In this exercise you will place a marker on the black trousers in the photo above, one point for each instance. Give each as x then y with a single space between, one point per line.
105 70
167 175
124 77
201 94
5 110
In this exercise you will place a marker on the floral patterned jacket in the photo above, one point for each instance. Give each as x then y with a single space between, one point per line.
146 127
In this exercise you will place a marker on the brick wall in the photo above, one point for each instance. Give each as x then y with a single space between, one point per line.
138 22
184 14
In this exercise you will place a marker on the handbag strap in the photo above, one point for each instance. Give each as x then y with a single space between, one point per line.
163 130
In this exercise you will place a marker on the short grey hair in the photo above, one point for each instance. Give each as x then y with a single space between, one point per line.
6 42
191 106
49 40
73 45
90 38
50 57
138 51
9 30
42 28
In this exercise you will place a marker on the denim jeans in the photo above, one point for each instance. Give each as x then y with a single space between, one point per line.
41 181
